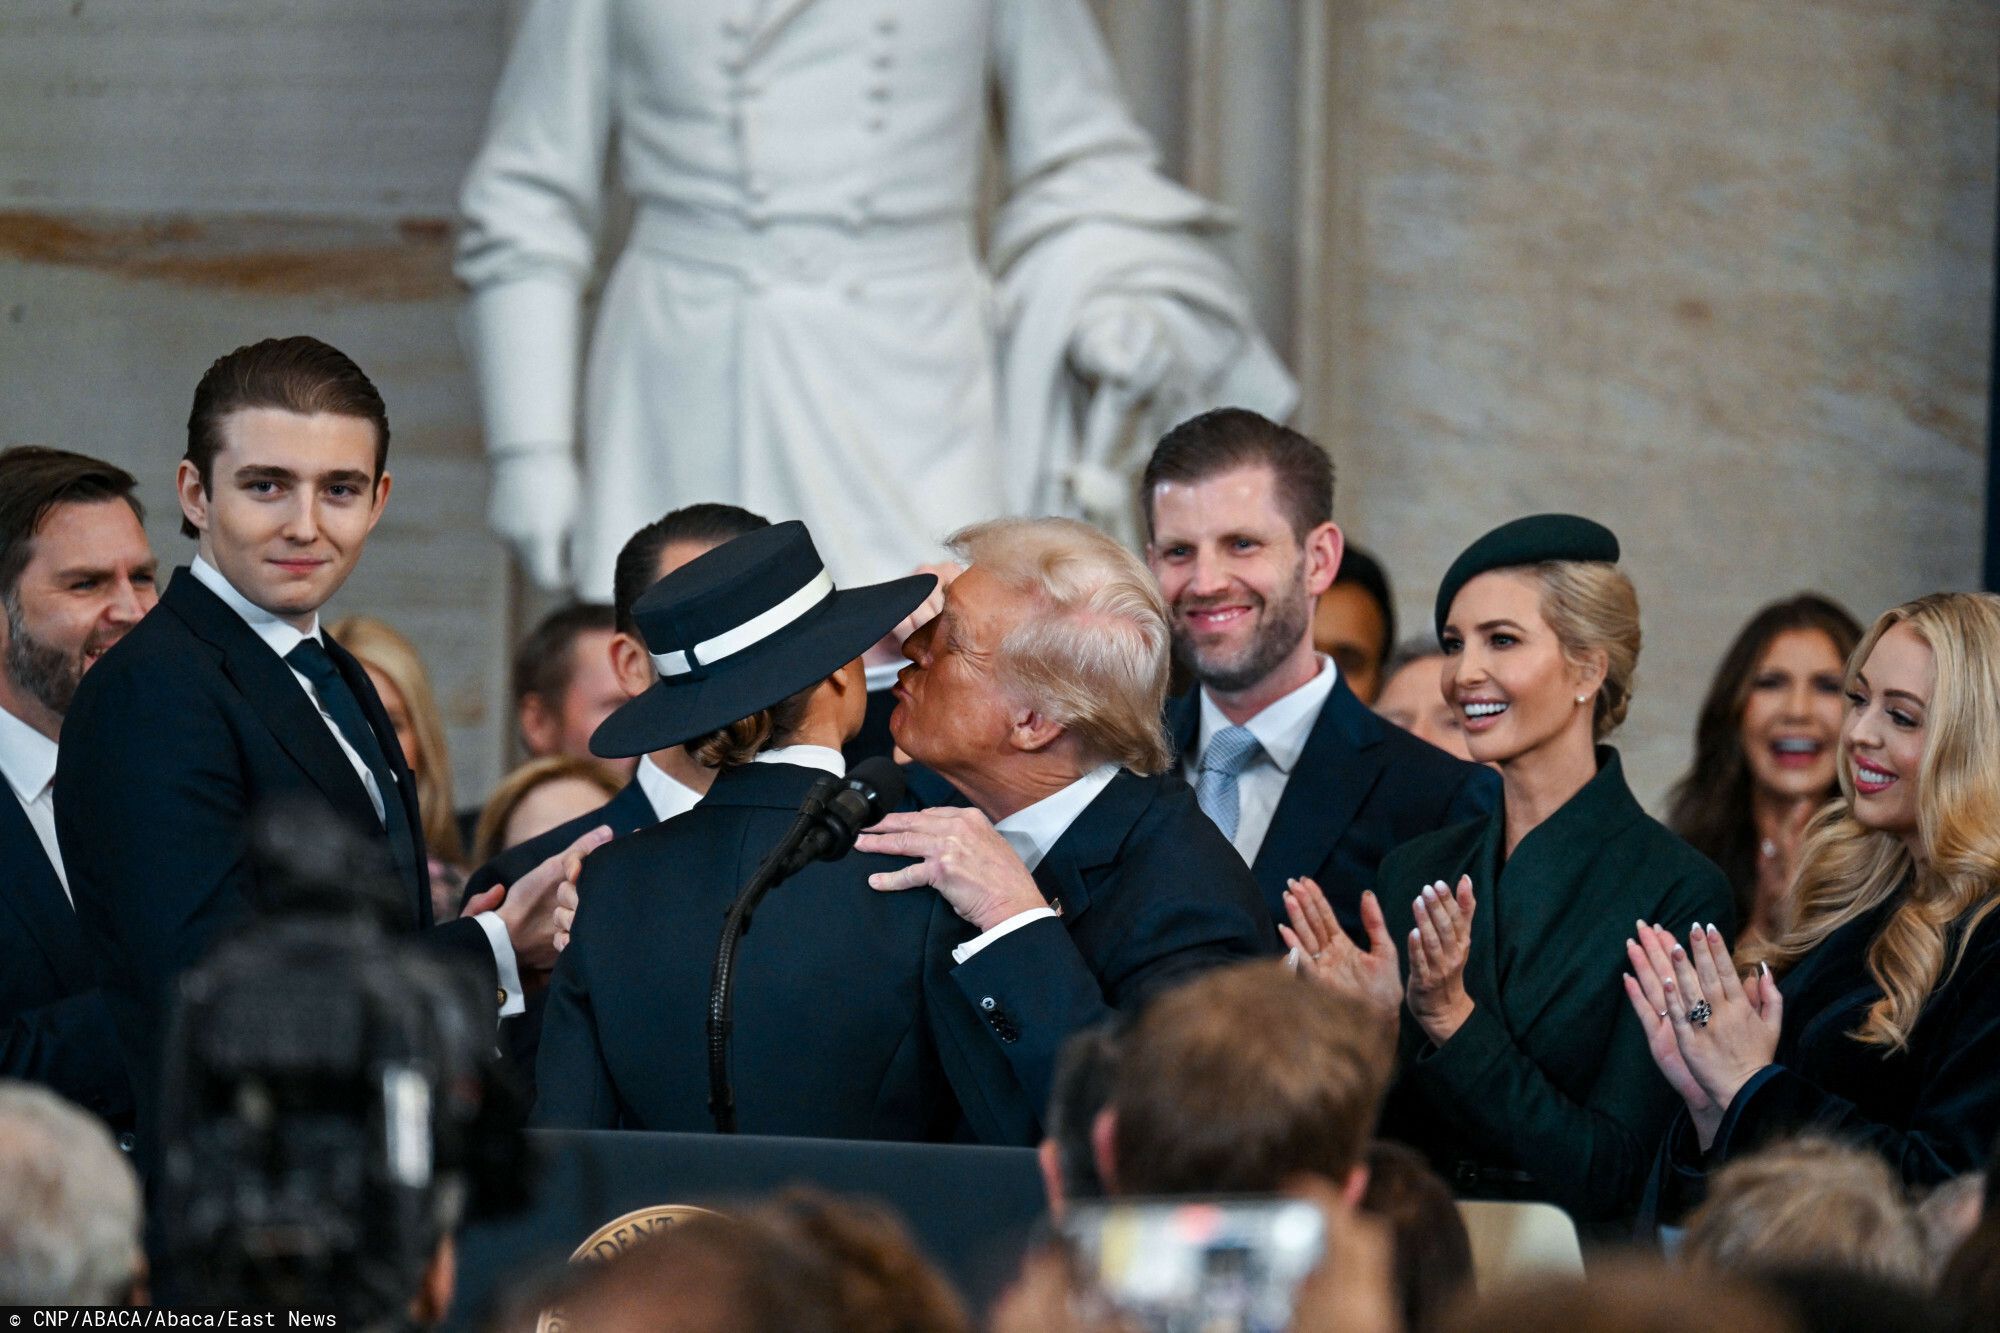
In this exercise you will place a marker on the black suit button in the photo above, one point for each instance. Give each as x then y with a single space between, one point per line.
127 1141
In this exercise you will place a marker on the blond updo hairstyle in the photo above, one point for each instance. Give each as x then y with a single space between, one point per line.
1592 607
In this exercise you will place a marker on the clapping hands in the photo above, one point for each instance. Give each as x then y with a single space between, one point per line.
1708 1031
1438 947
1373 978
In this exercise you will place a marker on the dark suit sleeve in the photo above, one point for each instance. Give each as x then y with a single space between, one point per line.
69 1045
1592 1155
158 888
1033 990
573 1085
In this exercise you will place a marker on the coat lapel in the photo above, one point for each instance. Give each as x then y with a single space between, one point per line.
1550 878
377 717
35 896
1339 766
272 692
1090 843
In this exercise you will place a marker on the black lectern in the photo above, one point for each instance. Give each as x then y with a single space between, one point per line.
970 1208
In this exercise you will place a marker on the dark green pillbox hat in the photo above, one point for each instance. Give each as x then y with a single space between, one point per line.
1526 541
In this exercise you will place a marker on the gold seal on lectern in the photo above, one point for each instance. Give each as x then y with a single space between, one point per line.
617 1236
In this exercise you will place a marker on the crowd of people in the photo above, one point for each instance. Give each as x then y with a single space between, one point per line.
1205 882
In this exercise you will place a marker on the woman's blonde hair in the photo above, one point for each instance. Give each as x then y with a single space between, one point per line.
487 838
379 646
1592 607
1093 656
1847 870
1808 1202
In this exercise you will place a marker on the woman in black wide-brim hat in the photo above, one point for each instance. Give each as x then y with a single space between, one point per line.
760 675
1519 1075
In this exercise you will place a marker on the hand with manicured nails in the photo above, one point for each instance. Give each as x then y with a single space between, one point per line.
1439 947
1649 952
1741 1035
959 853
1373 978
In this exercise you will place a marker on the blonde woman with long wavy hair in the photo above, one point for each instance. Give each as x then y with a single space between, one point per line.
1876 1016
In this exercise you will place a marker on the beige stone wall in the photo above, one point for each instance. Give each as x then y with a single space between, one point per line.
1718 272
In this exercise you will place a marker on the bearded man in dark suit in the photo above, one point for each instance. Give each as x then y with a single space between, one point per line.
76 574
1295 770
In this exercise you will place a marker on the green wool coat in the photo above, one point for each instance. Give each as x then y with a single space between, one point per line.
1547 1091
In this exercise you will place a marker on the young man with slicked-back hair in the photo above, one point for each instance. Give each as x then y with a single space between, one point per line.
76 574
229 696
1300 776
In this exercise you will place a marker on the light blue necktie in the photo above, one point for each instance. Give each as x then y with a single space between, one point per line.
1229 752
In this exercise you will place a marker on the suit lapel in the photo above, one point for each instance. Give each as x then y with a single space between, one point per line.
1339 766
377 716
271 690
34 895
1090 843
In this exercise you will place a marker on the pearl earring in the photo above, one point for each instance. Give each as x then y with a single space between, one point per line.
1583 698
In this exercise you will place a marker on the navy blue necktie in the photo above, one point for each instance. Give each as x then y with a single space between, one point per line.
313 662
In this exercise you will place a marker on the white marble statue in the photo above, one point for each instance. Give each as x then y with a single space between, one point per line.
802 320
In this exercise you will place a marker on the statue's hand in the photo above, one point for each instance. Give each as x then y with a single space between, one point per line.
532 506
1120 342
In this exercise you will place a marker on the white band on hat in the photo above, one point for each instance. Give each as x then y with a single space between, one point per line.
752 631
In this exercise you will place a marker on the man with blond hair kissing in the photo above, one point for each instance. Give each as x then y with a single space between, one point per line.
1082 878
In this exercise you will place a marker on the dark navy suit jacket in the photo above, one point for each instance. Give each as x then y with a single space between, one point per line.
1361 788
832 1035
183 729
54 1028
627 812
1150 894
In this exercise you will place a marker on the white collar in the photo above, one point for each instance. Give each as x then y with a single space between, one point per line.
806 756
667 794
1284 726
279 635
27 757
1033 830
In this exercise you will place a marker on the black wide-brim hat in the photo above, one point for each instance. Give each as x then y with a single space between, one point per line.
745 626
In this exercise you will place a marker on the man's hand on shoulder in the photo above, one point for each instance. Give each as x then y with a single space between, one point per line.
959 853
528 905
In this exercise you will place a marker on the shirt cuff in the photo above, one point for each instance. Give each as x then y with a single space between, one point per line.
963 953
512 1000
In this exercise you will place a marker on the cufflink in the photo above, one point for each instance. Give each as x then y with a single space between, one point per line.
500 997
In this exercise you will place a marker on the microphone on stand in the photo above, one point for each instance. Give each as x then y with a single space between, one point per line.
831 817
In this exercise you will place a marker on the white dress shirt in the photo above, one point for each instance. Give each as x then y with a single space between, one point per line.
28 759
821 757
668 795
281 637
1282 730
1031 832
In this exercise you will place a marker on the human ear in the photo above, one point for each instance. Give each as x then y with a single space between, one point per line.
192 494
1323 548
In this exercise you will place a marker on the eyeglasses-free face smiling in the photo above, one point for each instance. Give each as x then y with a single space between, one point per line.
288 504
1791 720
1882 740
1504 670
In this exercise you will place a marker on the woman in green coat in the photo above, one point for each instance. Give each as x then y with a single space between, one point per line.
1518 1075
